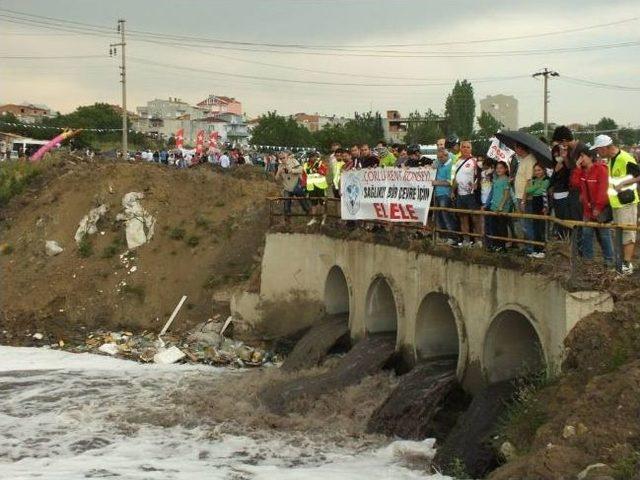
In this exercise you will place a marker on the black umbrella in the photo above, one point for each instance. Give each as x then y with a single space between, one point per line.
539 149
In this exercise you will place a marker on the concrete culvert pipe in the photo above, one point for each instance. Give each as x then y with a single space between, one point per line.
512 347
336 292
436 332
381 311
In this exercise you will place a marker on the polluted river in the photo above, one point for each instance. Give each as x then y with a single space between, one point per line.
76 416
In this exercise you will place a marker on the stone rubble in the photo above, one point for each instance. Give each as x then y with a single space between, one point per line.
52 248
88 224
139 223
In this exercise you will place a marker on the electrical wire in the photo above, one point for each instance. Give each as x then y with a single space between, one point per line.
49 57
590 83
332 47
309 82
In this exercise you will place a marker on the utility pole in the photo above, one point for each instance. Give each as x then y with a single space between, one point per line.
113 50
546 73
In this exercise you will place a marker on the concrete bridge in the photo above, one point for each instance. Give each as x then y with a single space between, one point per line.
498 322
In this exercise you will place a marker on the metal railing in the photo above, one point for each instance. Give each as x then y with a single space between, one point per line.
331 212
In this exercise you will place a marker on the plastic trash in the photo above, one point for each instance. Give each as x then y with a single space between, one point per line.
169 356
109 348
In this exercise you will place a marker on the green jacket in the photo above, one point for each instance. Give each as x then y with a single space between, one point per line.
537 187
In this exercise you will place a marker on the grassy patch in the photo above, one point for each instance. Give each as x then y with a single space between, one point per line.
85 247
626 467
134 290
193 241
526 413
15 177
109 251
214 281
457 469
619 357
6 249
203 222
177 233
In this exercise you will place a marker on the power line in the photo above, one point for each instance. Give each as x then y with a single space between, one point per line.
345 74
332 47
308 82
162 39
49 57
589 83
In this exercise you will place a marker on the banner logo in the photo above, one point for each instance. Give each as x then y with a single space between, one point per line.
353 190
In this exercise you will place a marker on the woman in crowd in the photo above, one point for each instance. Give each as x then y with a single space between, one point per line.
592 179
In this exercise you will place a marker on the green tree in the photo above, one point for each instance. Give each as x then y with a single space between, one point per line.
363 128
423 129
534 128
276 130
606 123
628 136
488 125
459 110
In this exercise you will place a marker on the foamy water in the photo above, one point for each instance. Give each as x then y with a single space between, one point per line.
68 416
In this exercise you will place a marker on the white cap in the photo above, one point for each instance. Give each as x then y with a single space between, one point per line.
601 141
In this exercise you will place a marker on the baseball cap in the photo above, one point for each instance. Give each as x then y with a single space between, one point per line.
601 141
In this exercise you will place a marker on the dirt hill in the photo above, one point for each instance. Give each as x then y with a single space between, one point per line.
209 235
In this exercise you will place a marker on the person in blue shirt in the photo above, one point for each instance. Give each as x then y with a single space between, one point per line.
442 195
500 200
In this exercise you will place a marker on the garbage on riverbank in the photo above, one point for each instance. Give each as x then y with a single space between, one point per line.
204 344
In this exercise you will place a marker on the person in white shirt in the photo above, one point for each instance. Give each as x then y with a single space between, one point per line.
225 162
465 184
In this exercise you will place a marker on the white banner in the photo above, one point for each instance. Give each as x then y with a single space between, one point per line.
389 194
500 152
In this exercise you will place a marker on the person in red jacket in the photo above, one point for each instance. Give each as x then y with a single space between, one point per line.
591 177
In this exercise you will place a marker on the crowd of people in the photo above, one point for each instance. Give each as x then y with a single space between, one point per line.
592 183
184 158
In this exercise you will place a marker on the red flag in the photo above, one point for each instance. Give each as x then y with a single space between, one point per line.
200 142
180 138
213 140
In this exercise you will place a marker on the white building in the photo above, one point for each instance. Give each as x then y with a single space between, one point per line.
504 108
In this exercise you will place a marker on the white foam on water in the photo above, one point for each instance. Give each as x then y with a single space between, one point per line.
70 416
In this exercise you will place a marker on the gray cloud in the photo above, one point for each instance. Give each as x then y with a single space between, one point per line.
65 84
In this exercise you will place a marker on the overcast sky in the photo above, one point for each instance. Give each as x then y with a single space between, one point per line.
348 24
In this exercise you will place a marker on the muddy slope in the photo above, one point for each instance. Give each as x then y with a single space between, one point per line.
209 234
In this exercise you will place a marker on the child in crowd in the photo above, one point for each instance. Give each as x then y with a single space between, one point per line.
499 200
537 202
486 166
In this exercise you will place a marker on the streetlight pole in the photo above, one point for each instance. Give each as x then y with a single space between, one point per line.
123 79
546 73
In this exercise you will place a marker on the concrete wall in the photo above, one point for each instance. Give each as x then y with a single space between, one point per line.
497 321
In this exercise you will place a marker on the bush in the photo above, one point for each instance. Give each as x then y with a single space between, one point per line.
134 290
14 178
109 251
625 468
526 413
85 247
203 222
193 241
177 233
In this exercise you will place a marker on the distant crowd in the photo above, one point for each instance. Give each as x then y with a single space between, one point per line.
183 158
595 183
